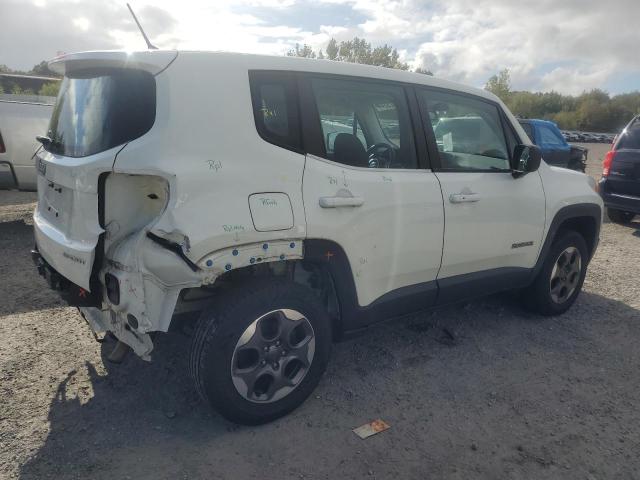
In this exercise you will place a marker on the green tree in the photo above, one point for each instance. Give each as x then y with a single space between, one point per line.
357 50
42 69
332 49
49 89
305 51
500 85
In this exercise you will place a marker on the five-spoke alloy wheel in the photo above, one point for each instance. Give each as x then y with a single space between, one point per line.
273 355
560 278
565 275
260 352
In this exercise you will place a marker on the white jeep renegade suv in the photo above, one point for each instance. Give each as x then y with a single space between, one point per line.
289 201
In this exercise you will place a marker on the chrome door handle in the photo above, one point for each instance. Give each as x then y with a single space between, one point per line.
464 197
342 199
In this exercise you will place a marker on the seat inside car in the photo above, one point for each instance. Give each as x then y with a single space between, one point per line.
348 149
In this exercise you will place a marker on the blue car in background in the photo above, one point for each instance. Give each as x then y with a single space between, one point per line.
555 149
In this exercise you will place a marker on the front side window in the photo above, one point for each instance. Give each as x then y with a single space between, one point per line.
99 109
365 124
275 109
468 132
549 137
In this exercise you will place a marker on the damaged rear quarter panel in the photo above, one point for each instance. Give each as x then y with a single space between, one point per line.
206 154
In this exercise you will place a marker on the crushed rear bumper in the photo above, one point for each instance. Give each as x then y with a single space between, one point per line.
73 294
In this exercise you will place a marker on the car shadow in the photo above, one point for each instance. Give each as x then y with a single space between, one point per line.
26 291
443 367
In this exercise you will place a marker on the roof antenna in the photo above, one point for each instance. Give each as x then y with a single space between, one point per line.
150 45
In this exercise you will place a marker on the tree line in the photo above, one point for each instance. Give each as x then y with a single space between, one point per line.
592 111
357 50
49 89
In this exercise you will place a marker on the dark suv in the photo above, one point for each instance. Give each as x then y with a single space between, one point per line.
620 182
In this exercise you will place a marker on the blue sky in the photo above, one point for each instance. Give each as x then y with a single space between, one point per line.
568 46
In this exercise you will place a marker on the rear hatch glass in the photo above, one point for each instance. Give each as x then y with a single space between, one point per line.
624 177
630 139
99 109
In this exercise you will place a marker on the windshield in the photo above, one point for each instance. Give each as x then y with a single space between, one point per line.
99 109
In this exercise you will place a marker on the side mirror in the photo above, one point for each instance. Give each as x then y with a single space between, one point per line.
526 159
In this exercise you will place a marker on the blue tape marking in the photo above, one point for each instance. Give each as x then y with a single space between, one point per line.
228 266
252 260
265 246
235 253
292 244
209 263
282 257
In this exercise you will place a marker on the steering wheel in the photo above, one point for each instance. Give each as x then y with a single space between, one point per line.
381 155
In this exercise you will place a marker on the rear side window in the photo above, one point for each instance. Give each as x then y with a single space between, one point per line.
365 124
630 138
275 108
469 132
100 109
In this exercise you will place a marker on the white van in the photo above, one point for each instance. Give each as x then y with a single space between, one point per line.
289 201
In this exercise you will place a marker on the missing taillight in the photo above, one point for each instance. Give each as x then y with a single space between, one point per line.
113 288
606 163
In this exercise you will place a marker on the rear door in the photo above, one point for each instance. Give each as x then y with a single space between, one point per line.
624 175
367 185
494 222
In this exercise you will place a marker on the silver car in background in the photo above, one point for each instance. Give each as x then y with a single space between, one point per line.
22 117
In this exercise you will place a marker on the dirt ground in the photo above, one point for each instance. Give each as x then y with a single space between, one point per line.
509 395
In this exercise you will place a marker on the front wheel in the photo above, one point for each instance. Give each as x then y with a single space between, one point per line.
619 216
261 351
560 280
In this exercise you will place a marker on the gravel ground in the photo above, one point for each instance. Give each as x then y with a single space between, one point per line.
508 395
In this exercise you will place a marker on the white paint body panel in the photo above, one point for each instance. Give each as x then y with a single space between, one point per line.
271 211
479 235
394 239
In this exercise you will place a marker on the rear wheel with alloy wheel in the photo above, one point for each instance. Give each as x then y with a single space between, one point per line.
261 351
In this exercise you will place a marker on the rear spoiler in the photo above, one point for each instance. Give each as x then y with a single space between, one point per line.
152 61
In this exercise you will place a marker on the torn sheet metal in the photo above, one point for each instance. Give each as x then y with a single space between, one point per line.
222 261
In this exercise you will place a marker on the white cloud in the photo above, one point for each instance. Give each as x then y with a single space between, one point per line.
566 45
82 23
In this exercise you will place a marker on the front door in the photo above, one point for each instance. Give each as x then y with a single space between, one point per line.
366 189
494 222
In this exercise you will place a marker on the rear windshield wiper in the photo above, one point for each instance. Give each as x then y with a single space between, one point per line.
44 140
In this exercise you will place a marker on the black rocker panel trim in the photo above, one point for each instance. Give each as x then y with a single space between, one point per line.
396 303
479 284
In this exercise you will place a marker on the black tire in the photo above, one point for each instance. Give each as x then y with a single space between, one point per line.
620 216
538 297
219 330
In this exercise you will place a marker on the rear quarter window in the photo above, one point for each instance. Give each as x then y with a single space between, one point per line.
275 108
100 109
